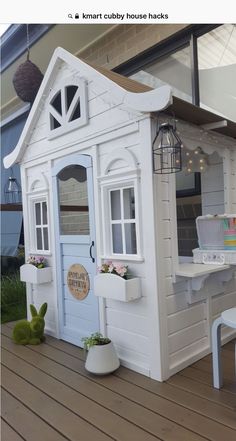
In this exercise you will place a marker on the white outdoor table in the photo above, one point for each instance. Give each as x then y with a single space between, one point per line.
227 318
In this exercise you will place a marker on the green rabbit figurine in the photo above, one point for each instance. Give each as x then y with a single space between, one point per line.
31 333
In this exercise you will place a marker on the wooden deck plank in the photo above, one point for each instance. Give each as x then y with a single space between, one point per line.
206 378
223 398
203 390
229 383
128 409
95 414
52 412
188 400
186 408
8 434
25 422
228 368
193 421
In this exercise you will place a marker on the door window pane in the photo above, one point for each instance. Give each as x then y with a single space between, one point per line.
130 238
117 239
73 201
129 203
217 70
115 205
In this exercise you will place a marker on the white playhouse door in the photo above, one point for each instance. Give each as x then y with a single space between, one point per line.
78 306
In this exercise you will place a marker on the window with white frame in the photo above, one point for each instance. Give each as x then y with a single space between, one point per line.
67 108
41 233
123 221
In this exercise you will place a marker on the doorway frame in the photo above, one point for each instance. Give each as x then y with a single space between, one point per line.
84 160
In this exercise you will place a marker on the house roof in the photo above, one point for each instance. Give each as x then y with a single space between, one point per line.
124 82
125 91
202 117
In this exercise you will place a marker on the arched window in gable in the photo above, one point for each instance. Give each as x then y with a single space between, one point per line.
68 108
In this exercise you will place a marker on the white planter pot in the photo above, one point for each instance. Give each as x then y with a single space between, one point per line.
31 274
115 287
102 359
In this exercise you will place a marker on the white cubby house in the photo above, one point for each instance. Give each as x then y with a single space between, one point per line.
90 195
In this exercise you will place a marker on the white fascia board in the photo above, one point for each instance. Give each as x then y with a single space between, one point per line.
153 100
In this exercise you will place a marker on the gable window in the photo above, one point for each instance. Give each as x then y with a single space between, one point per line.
41 226
67 108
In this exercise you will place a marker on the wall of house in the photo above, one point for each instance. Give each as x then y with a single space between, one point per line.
132 326
187 332
126 41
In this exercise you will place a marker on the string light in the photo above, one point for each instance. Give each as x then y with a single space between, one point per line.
194 161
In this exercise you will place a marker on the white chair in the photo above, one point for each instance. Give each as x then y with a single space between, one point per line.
228 318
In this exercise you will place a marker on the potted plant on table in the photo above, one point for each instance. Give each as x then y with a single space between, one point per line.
102 358
36 270
114 282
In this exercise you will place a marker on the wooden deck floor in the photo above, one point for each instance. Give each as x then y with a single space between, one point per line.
48 396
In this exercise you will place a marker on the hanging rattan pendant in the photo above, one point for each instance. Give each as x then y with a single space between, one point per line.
27 78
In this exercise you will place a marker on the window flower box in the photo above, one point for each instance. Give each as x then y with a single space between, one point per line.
31 274
112 286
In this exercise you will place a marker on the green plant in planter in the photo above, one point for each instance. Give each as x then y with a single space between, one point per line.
31 333
95 339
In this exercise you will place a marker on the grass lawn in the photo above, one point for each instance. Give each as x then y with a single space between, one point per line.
13 298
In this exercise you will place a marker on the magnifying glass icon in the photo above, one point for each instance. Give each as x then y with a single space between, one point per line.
70 16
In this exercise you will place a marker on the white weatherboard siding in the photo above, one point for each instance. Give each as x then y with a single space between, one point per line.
130 324
35 184
188 326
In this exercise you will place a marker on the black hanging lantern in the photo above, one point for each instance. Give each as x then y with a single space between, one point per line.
167 148
27 78
12 191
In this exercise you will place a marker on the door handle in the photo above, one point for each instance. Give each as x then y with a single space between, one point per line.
90 251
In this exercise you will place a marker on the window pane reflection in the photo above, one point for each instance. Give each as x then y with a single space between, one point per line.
129 203
115 205
37 214
39 239
117 239
45 217
217 70
173 69
130 239
45 238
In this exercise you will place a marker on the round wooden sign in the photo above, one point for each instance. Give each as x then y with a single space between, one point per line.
78 281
